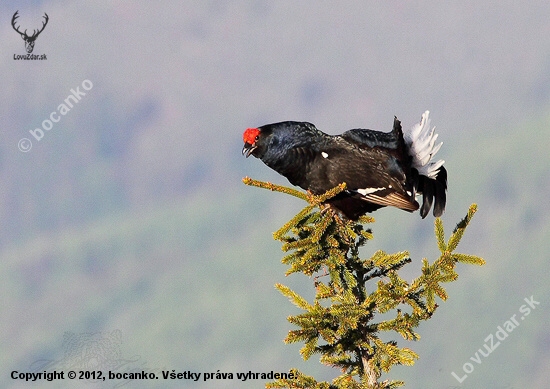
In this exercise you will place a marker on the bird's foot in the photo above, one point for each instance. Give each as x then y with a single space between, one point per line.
335 213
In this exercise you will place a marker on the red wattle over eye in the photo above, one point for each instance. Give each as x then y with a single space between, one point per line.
250 135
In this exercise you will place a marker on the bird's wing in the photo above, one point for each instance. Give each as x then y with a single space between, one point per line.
372 175
387 197
392 140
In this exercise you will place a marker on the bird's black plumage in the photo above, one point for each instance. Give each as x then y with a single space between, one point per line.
380 169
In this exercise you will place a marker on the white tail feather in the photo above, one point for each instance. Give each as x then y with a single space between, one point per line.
421 142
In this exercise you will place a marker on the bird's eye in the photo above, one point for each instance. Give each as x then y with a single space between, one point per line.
257 137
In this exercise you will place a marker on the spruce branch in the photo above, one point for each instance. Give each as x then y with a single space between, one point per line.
345 321
274 187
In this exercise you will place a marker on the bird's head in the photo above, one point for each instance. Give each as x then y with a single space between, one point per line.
269 141
273 140
253 139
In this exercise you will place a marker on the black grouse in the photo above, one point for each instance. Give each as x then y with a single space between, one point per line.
380 169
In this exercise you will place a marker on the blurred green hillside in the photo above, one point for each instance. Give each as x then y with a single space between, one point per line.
191 280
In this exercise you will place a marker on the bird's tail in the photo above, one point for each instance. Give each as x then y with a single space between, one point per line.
429 175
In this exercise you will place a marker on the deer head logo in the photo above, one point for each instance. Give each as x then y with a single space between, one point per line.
29 40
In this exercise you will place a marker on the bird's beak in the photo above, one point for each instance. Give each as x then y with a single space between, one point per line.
248 149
